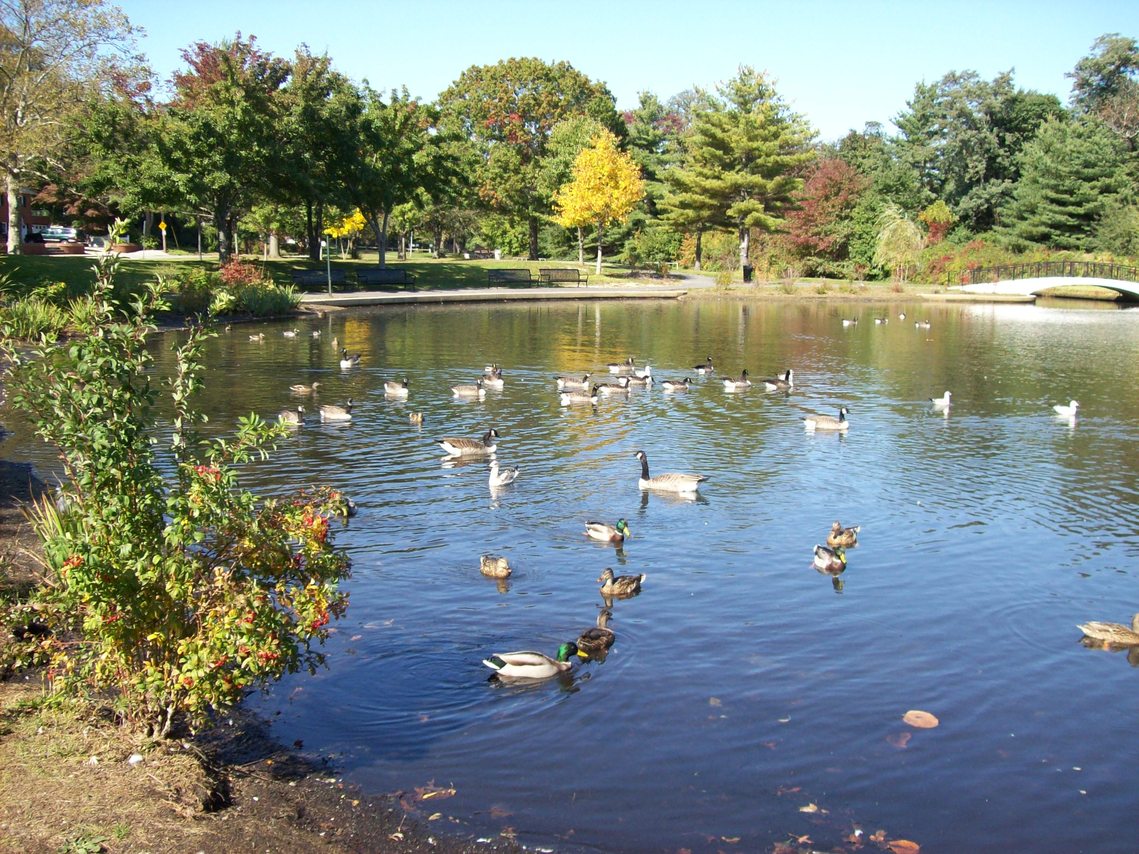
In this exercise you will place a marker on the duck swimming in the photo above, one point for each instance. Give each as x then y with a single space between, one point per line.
527 664
608 533
620 585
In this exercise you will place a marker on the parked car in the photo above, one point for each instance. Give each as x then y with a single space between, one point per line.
62 234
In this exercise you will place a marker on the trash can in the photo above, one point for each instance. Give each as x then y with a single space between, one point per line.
749 271
497 254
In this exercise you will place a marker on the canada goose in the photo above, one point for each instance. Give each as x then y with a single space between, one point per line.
501 476
493 380
259 337
921 324
301 388
783 383
1113 633
396 388
291 417
706 368
349 361
621 585
492 368
526 664
941 402
494 566
569 384
738 384
578 398
881 321
415 417
676 385
608 533
641 379
840 536
850 321
595 640
828 422
830 560
332 412
316 333
472 390
902 316
1068 411
619 387
671 482
459 446
290 333
625 367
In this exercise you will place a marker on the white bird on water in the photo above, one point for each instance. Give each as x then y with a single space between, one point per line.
1068 411
942 402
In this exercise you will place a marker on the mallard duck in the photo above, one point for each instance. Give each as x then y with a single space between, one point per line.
1068 411
942 402
1113 633
493 380
620 585
458 446
840 536
828 422
625 367
415 417
532 665
608 533
259 337
706 368
671 482
348 360
301 388
290 333
676 385
291 417
737 384
335 342
494 566
579 398
332 412
830 560
783 383
595 640
471 390
502 476
570 384
396 388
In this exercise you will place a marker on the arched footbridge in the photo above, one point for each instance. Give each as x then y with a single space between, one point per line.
1032 279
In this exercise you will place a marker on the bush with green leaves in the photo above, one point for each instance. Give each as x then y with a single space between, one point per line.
170 594
265 299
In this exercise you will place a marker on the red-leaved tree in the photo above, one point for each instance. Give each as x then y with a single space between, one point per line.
820 228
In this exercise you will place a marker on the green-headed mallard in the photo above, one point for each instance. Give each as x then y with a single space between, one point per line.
301 388
671 482
830 560
459 446
396 388
840 536
595 640
291 417
332 412
1113 633
738 383
502 476
494 566
1068 411
608 533
620 585
828 422
526 664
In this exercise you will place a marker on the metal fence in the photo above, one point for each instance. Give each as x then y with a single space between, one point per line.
1046 269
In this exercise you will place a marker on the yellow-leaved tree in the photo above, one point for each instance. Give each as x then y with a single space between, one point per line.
350 227
605 187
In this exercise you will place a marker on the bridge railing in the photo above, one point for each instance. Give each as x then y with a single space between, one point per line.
1045 269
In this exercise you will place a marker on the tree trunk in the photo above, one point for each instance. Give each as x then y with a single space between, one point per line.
274 245
221 223
312 245
384 241
745 244
580 245
699 247
402 254
11 190
598 270
437 241
533 238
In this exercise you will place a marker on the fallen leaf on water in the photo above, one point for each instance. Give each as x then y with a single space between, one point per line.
921 720
432 791
900 740
435 816
731 840
812 807
714 701
903 846
805 839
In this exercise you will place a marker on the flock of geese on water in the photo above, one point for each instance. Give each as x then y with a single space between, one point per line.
594 642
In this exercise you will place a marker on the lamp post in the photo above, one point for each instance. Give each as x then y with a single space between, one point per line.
328 262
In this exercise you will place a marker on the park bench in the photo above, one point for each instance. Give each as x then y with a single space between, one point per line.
550 275
309 278
384 276
509 276
479 254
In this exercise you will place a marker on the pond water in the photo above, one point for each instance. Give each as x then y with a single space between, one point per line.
743 685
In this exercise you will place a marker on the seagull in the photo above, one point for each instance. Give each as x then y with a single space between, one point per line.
941 402
502 476
1068 411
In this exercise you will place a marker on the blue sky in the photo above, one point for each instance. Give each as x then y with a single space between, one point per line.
841 64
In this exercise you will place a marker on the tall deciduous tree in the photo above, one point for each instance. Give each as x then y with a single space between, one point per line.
742 158
510 109
568 139
605 188
820 228
1071 173
1106 84
52 54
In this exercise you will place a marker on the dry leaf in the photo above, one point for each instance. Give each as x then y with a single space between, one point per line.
731 840
900 740
396 837
435 816
803 840
878 836
920 719
429 791
903 846
811 807
714 701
